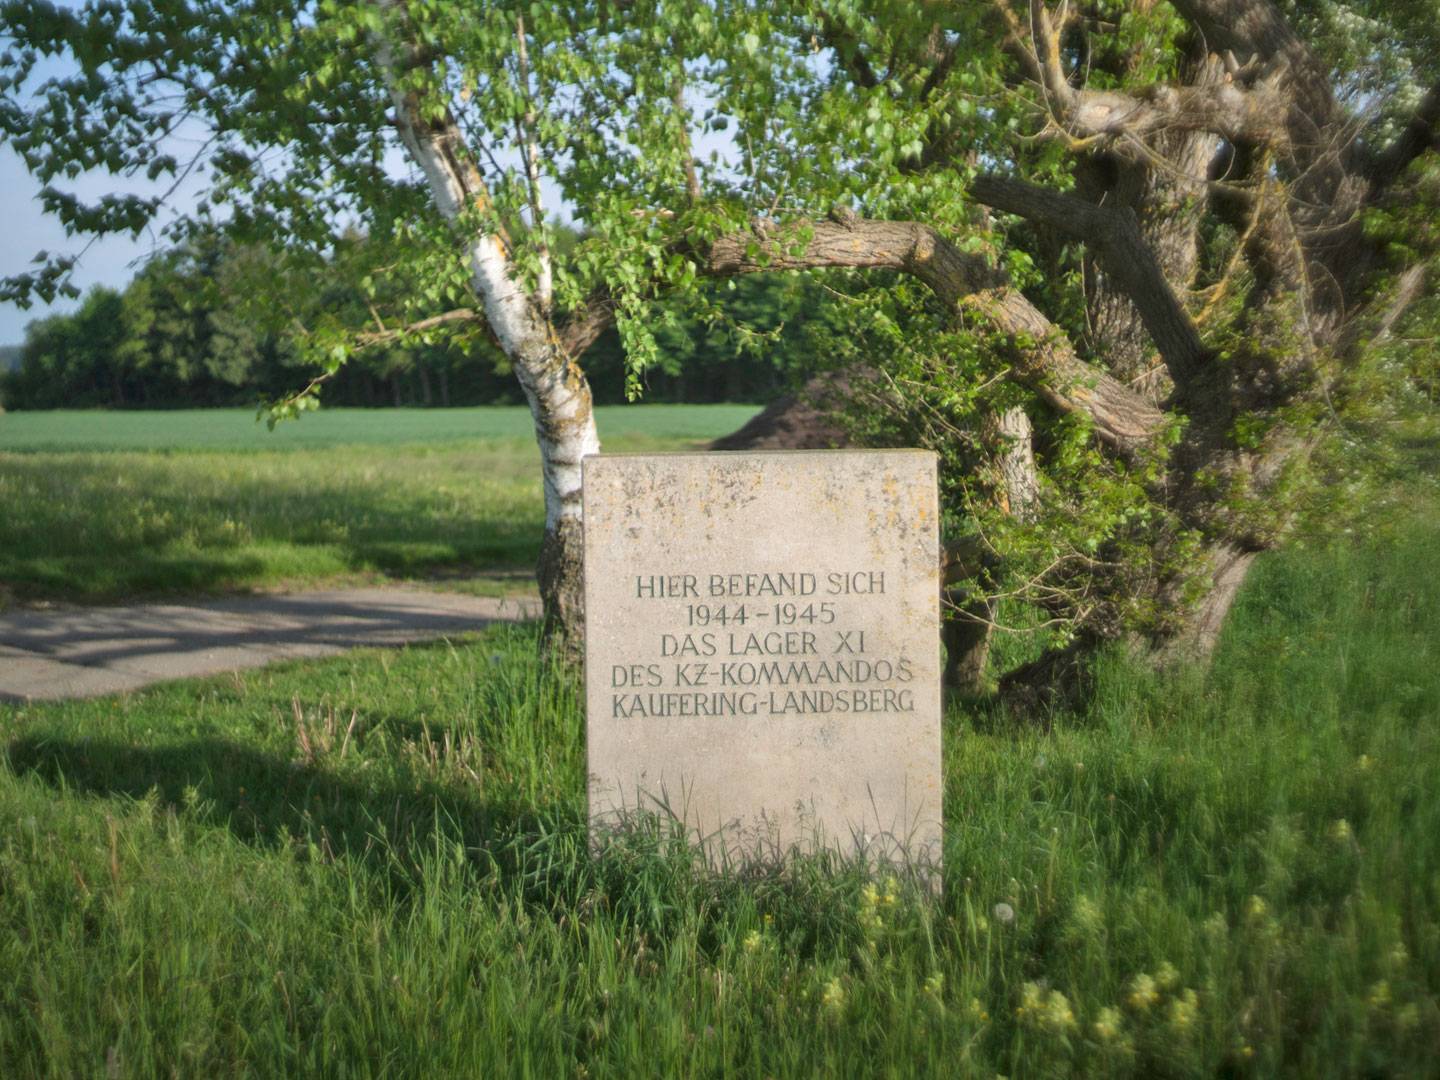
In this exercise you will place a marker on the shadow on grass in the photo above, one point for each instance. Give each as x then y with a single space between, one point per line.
263 798
394 829
1422 450
399 832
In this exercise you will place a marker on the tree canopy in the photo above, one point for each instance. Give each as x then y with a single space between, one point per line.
1131 267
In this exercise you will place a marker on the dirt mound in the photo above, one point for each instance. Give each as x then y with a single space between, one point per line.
805 420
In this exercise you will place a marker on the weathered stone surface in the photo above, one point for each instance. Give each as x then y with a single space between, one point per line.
763 651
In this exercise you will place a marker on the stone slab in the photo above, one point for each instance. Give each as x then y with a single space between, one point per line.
763 650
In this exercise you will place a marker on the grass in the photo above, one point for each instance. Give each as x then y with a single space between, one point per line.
111 506
377 866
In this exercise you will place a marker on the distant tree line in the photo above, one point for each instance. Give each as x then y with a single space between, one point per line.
185 333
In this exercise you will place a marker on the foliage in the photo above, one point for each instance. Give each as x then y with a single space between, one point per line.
379 863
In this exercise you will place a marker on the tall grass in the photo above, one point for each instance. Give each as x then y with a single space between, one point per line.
377 865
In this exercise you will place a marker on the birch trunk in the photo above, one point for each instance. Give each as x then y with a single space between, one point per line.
555 388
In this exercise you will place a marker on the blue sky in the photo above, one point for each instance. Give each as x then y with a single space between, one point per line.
110 260
27 230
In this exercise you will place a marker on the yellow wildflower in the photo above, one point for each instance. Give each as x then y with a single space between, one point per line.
1143 993
1107 1024
1049 1012
1255 907
1031 1000
888 899
1380 995
935 984
1166 977
976 1011
752 941
1340 831
1088 916
1365 763
1183 1011
832 998
870 918
1058 1015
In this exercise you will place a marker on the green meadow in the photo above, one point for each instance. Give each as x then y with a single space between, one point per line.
377 865
107 506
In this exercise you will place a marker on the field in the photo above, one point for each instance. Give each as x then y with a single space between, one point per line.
377 866
102 506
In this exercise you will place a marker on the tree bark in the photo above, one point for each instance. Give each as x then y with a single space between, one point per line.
1015 489
1117 242
1041 356
1228 567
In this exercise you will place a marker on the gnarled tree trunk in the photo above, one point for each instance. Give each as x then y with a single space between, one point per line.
1014 488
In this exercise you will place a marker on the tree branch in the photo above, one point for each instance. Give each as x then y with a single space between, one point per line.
1421 133
530 149
1241 115
385 335
590 321
942 57
1253 114
1042 357
1376 323
1408 289
847 47
1113 236
682 118
1255 32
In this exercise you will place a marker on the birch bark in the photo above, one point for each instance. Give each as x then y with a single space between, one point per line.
555 387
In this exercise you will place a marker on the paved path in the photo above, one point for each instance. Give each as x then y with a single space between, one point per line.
83 652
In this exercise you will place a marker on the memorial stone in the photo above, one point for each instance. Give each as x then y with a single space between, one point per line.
763 650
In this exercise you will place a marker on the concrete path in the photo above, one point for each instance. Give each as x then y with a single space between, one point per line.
84 652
